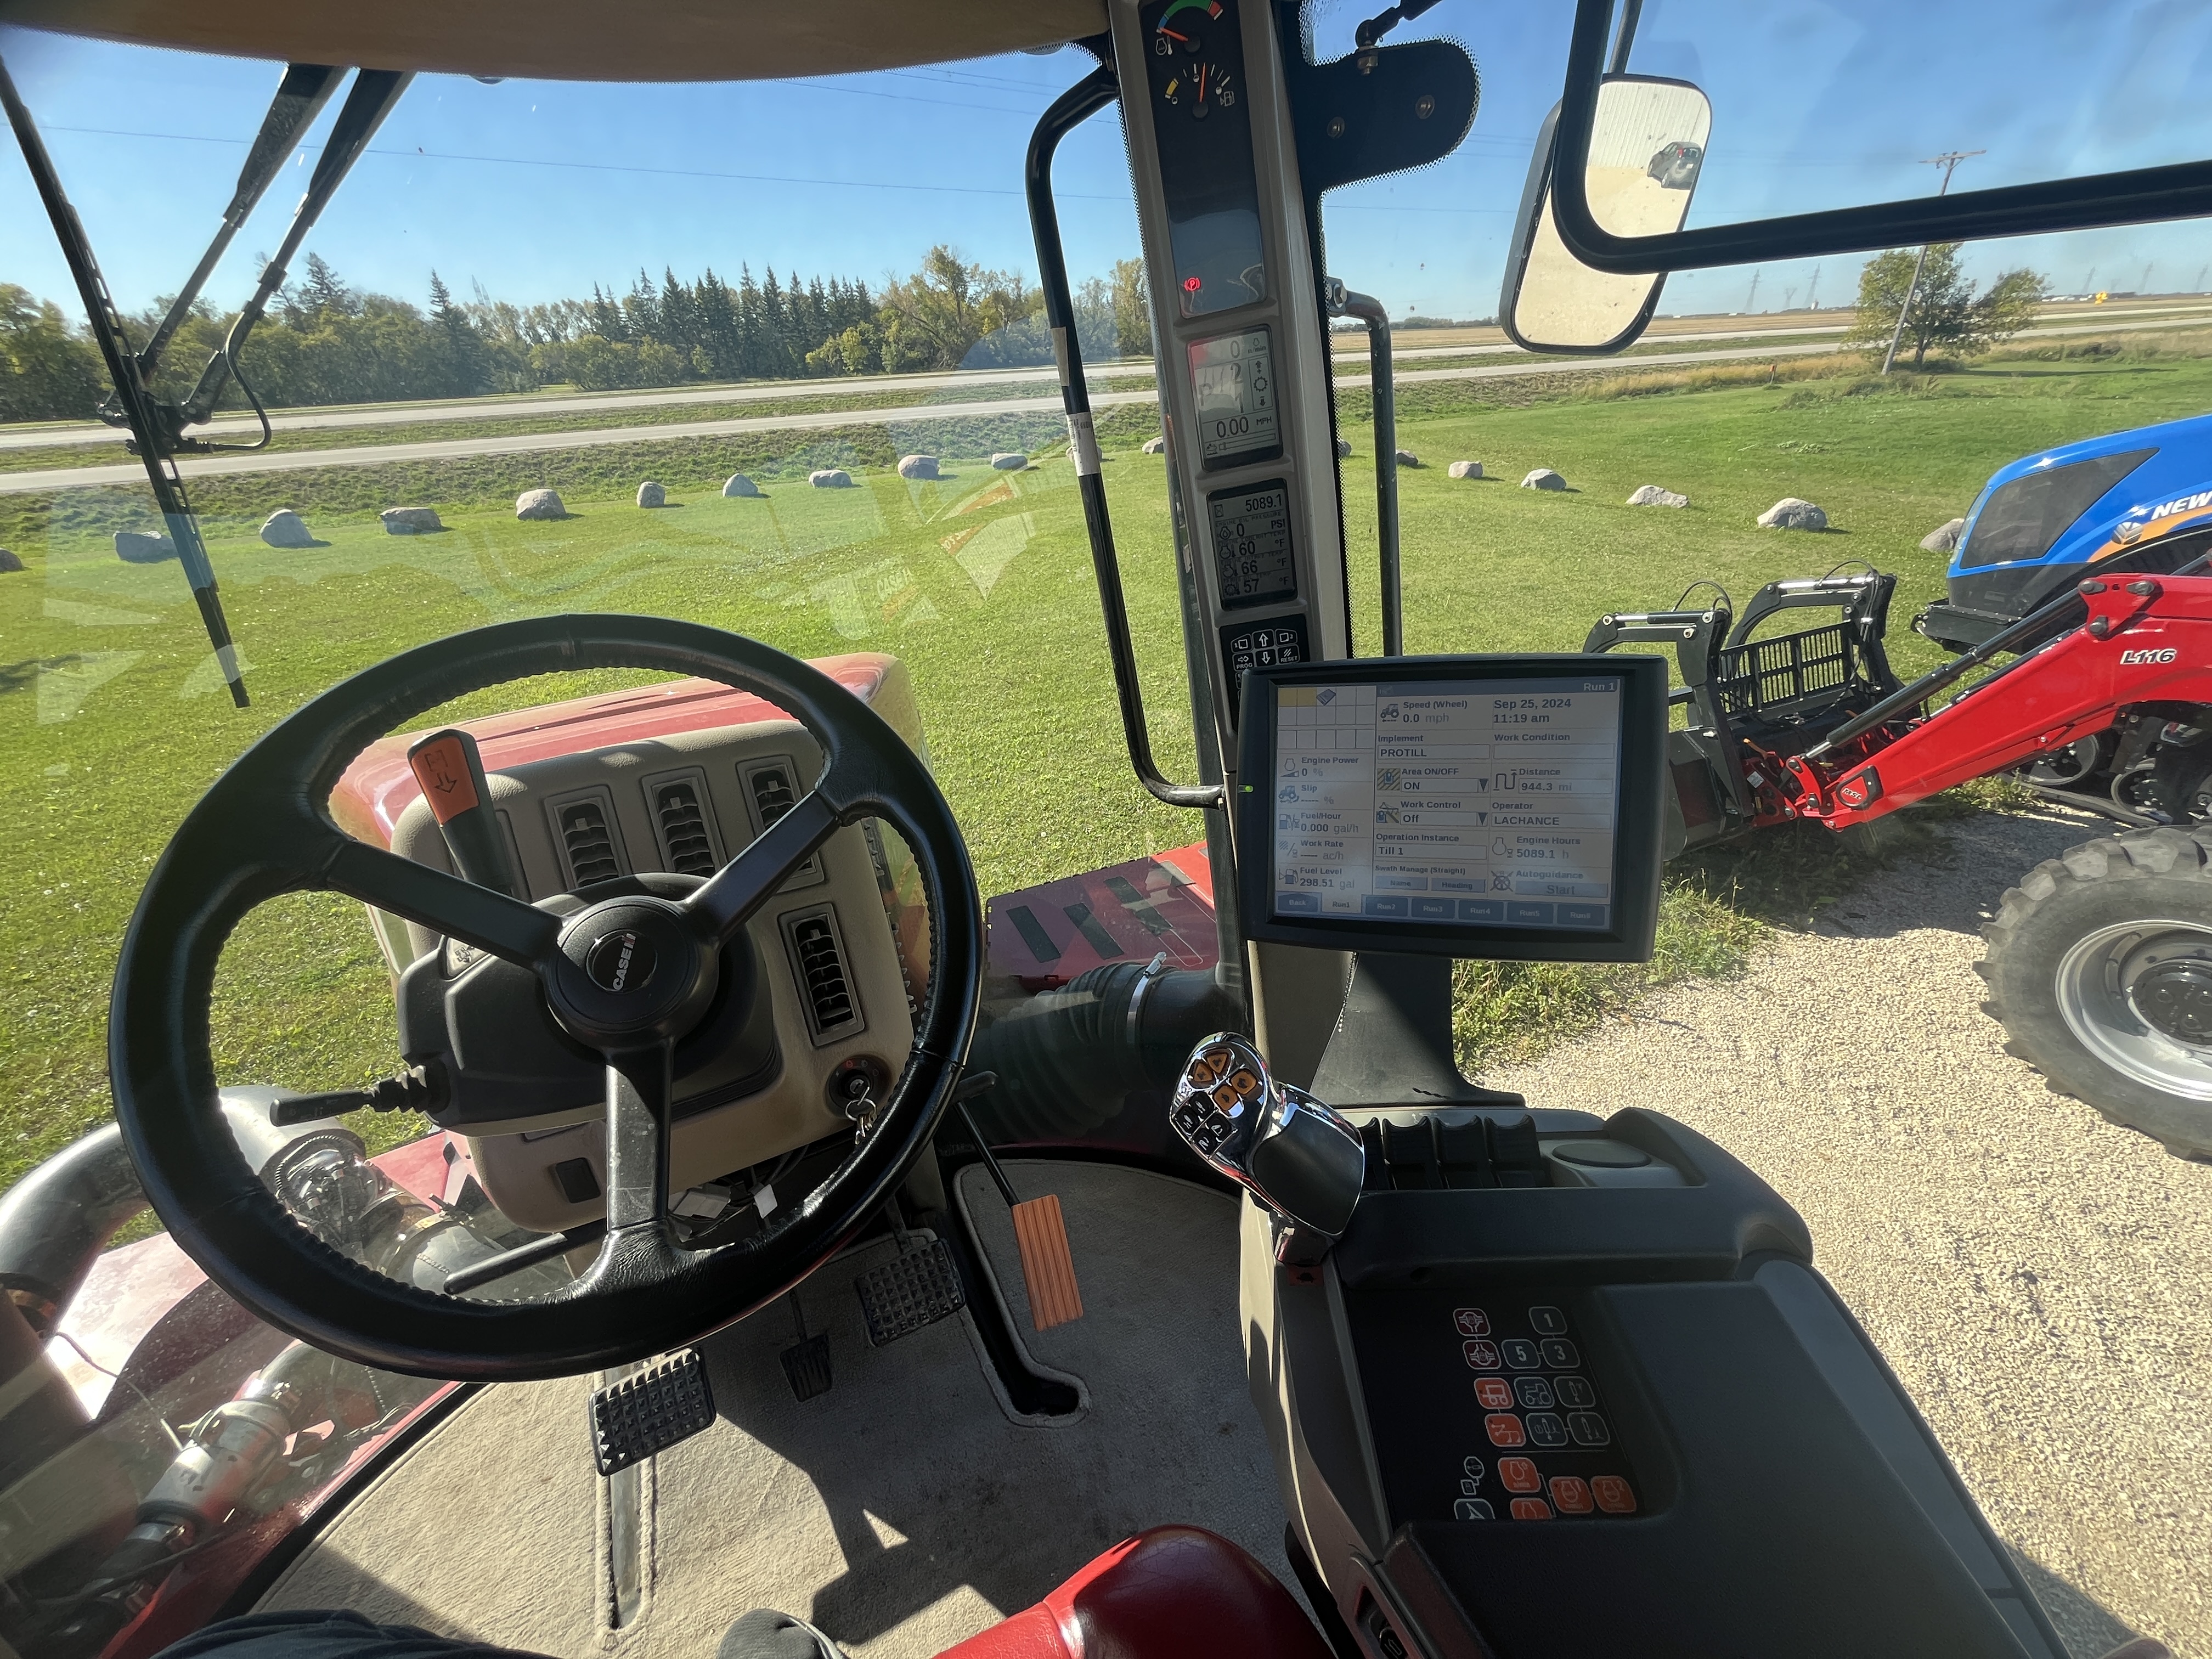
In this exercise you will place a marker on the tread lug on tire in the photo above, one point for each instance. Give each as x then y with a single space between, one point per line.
2158 875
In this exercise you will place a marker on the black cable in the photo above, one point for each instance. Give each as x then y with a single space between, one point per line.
1707 582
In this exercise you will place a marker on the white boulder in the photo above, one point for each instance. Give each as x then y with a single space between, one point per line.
1464 470
1008 461
650 494
1653 495
918 466
1944 539
1792 513
540 504
1543 478
141 547
1156 445
410 520
1407 457
285 528
739 484
830 477
9 562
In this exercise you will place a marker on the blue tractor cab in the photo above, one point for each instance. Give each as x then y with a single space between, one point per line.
2128 501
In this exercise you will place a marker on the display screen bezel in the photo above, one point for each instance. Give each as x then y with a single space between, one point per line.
1633 915
1266 450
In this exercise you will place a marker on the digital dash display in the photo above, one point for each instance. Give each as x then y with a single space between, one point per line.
1490 803
1232 379
1252 544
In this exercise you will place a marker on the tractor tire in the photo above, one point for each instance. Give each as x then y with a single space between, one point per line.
2100 969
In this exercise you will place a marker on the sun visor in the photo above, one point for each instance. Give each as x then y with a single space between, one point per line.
579 40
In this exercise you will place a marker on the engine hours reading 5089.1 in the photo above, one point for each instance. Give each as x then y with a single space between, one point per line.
1197 82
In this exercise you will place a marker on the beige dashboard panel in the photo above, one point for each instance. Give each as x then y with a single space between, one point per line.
615 785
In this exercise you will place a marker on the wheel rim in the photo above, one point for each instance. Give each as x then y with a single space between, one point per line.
2138 996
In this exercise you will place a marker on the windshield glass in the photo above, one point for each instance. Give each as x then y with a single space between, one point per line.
811 401
773 358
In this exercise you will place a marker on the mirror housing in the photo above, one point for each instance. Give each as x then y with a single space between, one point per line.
1645 153
2146 195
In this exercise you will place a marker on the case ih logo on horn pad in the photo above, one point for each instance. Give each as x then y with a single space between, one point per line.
1861 789
620 961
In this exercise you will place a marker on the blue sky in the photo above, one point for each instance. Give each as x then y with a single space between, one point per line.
538 188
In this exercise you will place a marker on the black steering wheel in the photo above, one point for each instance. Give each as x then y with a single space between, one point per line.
263 830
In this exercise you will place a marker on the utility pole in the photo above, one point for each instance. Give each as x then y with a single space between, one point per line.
1949 161
1750 299
1812 300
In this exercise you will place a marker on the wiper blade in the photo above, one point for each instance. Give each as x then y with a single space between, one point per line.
138 403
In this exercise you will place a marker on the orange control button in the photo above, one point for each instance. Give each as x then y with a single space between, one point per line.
442 768
1571 1493
1494 1393
1614 1495
1504 1430
1531 1508
1519 1475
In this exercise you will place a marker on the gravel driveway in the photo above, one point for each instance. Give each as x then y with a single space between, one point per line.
2038 1277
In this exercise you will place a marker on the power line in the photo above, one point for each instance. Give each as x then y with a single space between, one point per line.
603 166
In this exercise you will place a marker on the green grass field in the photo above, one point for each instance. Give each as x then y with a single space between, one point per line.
115 719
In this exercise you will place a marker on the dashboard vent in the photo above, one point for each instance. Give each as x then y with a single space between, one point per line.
683 824
769 785
772 793
583 827
832 1011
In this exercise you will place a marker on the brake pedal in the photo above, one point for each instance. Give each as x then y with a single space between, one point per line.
648 1412
918 1286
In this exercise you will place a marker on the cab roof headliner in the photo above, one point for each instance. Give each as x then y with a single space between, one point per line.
580 39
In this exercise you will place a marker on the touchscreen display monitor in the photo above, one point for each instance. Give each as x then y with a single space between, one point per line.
1457 804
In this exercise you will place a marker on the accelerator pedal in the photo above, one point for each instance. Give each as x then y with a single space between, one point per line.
649 1411
918 1286
807 1362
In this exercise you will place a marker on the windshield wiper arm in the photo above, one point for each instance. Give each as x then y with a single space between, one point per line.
131 389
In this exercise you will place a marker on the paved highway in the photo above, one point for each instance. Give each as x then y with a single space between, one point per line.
1348 349
915 415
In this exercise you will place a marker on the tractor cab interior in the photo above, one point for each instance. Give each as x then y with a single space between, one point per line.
797 1233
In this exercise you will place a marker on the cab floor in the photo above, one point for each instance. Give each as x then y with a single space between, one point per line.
907 1509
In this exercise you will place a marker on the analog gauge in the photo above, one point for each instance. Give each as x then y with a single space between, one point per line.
1181 29
1200 88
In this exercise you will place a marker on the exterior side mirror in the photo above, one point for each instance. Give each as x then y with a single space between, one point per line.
1646 150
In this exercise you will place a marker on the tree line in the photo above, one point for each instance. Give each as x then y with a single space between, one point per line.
324 341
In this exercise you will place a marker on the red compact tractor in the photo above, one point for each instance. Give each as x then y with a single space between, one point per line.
2099 962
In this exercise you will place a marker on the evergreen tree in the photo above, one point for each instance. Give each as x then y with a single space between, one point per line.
774 329
718 325
642 308
606 317
463 349
323 290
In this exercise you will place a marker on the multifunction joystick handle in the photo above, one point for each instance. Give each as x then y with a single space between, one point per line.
1298 1157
